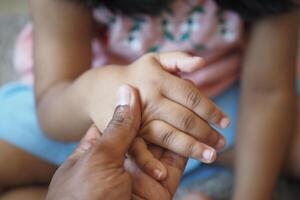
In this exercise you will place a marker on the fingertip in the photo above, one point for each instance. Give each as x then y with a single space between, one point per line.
199 60
135 100
224 122
159 174
128 95
190 64
209 155
221 143
204 153
135 105
220 119
124 95
156 170
146 160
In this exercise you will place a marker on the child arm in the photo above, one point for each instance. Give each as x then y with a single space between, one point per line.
62 37
268 107
70 96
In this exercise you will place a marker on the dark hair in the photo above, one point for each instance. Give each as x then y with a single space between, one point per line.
132 7
252 10
249 10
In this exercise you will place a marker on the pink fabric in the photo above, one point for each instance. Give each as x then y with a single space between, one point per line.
195 26
23 59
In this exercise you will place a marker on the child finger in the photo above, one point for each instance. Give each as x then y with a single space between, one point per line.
186 94
189 122
166 136
179 62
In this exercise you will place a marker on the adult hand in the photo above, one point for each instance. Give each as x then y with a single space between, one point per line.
95 169
146 187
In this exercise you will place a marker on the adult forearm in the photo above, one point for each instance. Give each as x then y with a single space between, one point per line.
265 126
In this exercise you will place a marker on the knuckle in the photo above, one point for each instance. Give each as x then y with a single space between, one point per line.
151 109
210 112
168 136
149 128
172 161
190 148
188 122
149 57
155 86
121 119
206 133
146 163
214 139
193 99
102 148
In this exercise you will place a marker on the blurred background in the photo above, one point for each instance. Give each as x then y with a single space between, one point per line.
13 6
14 15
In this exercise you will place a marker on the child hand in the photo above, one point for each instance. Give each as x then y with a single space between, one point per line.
175 115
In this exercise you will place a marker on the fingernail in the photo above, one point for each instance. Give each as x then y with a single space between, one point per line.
224 122
198 59
158 173
207 155
221 143
85 147
124 96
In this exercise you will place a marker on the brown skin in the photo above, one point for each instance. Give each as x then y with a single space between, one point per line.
268 110
26 192
257 89
64 80
95 171
70 96
16 162
267 106
22 176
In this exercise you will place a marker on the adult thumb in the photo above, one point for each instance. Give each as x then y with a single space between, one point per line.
125 124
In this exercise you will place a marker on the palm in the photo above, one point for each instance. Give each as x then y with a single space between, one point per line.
146 187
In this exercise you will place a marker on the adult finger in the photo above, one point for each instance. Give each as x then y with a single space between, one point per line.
146 160
123 127
156 150
175 165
